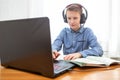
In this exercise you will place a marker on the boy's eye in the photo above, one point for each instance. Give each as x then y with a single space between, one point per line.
75 18
69 18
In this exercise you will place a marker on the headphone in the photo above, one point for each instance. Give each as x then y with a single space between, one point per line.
83 15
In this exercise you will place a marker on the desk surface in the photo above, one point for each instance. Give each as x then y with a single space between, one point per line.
110 73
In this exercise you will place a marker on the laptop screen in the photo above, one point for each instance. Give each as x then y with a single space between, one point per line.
26 44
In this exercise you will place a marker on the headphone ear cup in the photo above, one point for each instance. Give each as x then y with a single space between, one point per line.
65 19
83 18
64 16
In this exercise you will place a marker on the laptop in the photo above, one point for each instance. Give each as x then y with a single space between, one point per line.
25 44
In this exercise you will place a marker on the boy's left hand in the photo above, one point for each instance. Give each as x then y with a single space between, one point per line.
72 56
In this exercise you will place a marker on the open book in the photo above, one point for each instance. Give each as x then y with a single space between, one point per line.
94 61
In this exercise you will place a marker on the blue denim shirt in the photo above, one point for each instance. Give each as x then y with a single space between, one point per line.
83 41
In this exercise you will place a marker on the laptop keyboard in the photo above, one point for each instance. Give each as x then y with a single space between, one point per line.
61 65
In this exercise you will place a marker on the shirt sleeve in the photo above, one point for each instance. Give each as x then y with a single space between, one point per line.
94 47
57 44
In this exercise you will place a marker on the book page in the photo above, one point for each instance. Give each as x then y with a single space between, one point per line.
87 61
104 60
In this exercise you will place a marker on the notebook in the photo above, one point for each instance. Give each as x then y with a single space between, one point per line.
25 44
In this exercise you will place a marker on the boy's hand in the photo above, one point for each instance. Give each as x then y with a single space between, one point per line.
55 54
72 56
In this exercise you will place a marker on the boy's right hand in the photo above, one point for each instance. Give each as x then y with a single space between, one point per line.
55 54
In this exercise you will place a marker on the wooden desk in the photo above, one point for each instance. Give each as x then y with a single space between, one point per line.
110 73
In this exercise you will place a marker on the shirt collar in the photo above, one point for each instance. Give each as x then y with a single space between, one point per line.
79 31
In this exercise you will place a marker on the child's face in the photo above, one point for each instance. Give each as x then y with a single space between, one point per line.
73 19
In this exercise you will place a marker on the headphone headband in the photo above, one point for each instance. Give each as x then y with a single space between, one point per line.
83 15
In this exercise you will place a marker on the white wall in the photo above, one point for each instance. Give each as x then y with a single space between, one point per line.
36 8
16 9
12 9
